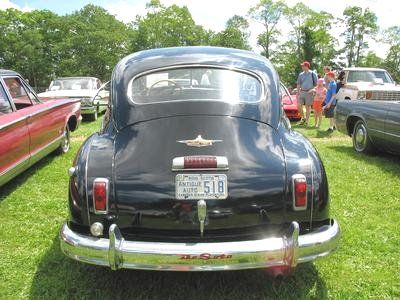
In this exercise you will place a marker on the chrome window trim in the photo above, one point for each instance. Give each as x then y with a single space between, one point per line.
23 86
235 69
9 98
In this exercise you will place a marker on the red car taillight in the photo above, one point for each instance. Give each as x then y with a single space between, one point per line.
100 195
299 192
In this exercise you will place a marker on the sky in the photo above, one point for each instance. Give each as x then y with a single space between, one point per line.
213 14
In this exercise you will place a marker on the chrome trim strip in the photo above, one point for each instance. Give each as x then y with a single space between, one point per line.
236 69
30 156
13 122
116 252
36 152
384 132
15 165
33 114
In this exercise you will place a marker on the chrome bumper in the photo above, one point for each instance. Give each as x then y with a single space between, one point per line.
116 252
88 110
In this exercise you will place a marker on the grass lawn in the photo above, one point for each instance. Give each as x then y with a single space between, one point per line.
365 193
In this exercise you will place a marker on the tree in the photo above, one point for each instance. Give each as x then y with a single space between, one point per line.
371 60
164 26
309 40
360 25
235 35
392 61
88 48
268 13
27 43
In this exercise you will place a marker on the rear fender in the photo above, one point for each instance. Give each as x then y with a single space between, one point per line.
304 159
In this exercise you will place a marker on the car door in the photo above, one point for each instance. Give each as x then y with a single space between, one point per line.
392 127
14 137
45 124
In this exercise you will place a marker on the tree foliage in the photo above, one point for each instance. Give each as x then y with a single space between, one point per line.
360 26
268 13
89 42
392 61
235 35
166 26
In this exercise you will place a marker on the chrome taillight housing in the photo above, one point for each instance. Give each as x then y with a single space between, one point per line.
100 195
299 190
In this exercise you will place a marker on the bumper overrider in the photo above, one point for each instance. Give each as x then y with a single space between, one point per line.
116 252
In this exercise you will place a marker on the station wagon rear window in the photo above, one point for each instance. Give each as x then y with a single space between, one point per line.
191 84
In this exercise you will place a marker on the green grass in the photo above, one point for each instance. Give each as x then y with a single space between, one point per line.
365 194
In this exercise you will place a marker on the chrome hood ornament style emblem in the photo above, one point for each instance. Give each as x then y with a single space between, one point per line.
199 142
201 214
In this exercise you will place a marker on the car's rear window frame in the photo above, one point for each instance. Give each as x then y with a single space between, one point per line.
173 67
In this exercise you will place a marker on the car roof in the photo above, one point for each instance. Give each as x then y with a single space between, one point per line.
152 59
8 72
363 69
76 77
125 112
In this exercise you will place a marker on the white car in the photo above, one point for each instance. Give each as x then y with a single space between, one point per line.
87 89
368 84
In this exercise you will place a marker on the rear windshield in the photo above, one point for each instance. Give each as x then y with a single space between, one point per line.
186 84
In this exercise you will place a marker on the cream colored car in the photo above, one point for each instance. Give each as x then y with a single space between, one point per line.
368 84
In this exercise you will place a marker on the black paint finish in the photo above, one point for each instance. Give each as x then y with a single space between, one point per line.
137 144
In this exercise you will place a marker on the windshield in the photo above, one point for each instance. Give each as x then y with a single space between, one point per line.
73 84
196 83
369 76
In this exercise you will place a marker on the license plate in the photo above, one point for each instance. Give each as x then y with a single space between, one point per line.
201 186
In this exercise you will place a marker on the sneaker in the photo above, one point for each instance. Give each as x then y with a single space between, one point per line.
302 122
330 130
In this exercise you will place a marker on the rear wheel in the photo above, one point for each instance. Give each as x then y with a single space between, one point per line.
65 142
361 140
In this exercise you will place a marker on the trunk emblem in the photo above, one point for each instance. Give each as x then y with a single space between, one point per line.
199 142
201 214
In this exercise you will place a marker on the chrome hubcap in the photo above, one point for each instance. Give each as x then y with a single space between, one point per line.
65 143
360 138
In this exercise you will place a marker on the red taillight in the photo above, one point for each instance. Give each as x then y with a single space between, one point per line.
100 195
299 192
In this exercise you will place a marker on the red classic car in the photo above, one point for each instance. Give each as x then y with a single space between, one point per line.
29 128
290 104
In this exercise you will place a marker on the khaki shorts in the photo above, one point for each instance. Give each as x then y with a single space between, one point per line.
306 98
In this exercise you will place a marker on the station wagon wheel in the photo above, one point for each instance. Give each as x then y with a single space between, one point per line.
361 140
176 85
93 117
65 141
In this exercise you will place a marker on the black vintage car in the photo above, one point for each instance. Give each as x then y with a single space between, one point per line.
372 124
196 169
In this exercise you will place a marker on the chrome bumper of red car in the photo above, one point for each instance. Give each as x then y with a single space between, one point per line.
116 252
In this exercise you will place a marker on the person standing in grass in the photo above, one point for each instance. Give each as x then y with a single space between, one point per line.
327 69
329 103
320 93
306 82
